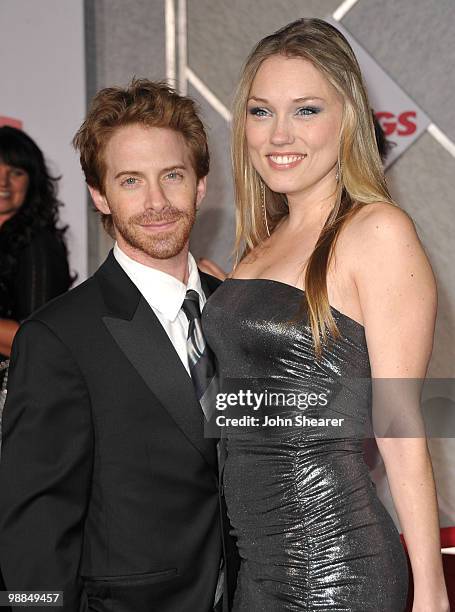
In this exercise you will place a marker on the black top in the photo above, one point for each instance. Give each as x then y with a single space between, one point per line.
311 531
42 274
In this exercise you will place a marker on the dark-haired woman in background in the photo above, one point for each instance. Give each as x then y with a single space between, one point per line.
33 254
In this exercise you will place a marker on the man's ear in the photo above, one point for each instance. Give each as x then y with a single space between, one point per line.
99 200
200 191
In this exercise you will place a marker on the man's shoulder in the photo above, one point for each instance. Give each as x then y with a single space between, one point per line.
71 308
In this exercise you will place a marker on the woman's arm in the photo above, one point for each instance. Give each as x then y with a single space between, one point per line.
397 293
8 329
210 267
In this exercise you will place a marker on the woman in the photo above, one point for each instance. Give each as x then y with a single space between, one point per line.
333 288
33 255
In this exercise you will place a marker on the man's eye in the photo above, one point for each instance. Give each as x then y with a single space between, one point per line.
129 181
257 111
174 176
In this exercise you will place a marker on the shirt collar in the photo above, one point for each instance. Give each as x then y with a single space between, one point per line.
162 291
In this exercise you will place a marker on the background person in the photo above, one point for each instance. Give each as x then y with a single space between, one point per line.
33 254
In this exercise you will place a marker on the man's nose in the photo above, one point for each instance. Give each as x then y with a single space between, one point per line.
282 132
156 198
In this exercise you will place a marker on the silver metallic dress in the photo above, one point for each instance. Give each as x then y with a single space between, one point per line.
311 532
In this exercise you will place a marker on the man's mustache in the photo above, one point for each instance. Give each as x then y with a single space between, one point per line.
167 216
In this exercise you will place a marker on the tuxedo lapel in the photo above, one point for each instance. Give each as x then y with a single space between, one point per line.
208 283
141 337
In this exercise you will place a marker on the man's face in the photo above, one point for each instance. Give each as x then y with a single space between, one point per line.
151 190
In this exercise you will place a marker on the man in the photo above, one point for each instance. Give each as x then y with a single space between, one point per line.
109 489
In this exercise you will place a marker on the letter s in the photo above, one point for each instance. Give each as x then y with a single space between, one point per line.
410 126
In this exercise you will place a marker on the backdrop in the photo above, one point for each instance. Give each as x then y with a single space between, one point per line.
43 92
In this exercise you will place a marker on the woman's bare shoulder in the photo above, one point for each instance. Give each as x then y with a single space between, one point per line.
378 225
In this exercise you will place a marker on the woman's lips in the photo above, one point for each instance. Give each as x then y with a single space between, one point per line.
285 161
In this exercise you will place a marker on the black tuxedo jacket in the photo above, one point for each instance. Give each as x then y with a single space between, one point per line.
108 488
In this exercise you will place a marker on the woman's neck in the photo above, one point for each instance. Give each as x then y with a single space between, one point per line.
311 207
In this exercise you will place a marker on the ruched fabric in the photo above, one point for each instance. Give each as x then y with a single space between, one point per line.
311 531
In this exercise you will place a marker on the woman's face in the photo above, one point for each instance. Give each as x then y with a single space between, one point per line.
13 189
293 125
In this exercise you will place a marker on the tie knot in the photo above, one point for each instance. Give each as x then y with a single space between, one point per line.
191 306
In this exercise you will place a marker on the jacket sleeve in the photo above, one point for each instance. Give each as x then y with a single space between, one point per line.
46 466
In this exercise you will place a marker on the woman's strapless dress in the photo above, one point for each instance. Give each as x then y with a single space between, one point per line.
311 531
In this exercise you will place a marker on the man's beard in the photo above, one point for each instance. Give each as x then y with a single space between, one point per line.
159 245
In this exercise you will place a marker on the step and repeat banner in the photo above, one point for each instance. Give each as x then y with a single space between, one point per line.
42 91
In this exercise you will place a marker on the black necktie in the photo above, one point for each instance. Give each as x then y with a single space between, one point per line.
200 358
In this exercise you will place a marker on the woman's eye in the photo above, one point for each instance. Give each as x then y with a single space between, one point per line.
256 111
18 172
307 111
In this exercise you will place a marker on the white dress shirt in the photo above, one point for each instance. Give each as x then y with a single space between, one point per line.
165 294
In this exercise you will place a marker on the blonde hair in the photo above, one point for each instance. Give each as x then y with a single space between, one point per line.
361 176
